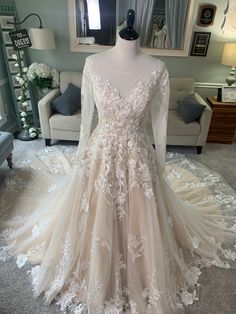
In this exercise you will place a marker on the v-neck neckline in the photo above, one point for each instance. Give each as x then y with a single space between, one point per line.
139 85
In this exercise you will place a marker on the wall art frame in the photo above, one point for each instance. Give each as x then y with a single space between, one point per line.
229 94
200 44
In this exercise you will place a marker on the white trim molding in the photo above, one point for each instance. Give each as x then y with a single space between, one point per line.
208 85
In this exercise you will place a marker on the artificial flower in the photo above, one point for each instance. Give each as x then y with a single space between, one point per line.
25 103
43 76
14 56
33 134
32 130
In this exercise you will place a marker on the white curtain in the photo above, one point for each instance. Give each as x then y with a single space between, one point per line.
143 16
176 13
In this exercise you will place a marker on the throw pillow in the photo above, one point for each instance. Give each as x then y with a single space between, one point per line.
189 109
69 102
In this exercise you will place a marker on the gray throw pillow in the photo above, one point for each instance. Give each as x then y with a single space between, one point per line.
69 102
189 109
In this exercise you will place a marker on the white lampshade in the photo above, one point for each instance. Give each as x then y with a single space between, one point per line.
42 38
229 54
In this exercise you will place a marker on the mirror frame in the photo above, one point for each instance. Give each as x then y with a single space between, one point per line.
75 47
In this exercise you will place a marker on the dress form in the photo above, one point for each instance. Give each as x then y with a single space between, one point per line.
129 33
125 64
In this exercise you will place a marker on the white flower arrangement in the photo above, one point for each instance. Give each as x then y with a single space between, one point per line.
43 76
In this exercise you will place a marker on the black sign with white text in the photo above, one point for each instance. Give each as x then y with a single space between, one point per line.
20 39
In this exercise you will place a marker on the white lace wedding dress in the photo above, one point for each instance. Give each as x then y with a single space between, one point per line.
120 231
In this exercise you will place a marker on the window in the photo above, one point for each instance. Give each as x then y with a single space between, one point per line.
94 18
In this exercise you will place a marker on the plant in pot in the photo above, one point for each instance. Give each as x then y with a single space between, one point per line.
44 77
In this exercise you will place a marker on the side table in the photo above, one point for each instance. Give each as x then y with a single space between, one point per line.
223 121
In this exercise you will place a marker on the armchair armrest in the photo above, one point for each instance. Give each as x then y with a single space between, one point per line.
45 111
204 120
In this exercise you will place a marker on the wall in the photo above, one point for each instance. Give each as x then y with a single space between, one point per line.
54 15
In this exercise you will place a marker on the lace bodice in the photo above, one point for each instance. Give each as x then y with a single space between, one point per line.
123 118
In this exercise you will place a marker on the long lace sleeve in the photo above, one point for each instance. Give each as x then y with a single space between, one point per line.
159 114
87 109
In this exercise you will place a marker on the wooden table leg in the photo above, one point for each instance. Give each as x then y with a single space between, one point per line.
9 160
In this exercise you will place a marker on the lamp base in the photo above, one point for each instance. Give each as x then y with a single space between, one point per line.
25 136
231 79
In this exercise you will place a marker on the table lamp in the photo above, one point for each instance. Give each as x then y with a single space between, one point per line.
229 58
41 38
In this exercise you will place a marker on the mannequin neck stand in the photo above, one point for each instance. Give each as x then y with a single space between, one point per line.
127 49
125 65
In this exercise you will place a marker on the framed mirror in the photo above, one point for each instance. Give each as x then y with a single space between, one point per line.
93 24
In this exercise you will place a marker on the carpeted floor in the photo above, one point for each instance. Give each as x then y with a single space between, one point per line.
218 286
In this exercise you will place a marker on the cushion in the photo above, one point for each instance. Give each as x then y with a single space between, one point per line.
177 127
66 123
189 109
6 139
69 102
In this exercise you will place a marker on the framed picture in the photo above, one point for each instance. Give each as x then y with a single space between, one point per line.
18 93
206 15
28 107
10 51
200 43
15 82
229 93
6 38
13 69
3 21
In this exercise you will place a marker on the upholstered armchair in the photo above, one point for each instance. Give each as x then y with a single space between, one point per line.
178 132
54 125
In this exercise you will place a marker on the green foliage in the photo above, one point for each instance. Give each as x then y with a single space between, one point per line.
43 83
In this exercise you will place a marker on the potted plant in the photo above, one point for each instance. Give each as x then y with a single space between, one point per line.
44 77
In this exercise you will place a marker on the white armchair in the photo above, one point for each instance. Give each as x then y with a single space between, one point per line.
54 125
178 133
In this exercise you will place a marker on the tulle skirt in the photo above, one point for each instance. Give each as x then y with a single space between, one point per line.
113 236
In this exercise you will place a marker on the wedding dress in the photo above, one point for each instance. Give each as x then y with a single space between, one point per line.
123 231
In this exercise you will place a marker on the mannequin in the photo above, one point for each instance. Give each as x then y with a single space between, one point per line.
126 64
129 33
